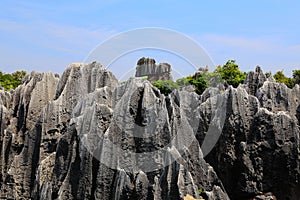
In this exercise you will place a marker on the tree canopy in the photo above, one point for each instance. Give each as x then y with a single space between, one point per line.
289 82
11 81
196 80
296 76
165 86
231 73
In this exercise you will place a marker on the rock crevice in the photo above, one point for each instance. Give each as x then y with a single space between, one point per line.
85 136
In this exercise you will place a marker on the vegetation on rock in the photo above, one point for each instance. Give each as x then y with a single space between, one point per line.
258 113
165 86
196 80
289 82
296 76
11 81
231 73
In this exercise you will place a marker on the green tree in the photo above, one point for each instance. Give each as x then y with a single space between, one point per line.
196 80
281 78
231 73
18 75
11 81
268 74
183 82
165 86
199 82
296 76
212 78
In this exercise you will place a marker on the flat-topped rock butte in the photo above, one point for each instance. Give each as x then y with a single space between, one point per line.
148 67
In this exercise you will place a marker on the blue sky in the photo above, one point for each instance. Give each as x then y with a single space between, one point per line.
49 35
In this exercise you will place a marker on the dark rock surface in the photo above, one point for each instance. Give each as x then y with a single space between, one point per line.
85 136
258 151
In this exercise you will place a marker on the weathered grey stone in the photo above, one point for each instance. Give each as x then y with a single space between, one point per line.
22 136
56 137
254 80
154 72
258 150
137 104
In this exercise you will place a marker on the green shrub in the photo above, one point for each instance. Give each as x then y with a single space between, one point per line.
11 81
165 86
183 82
268 74
296 76
231 73
196 80
280 77
200 191
212 78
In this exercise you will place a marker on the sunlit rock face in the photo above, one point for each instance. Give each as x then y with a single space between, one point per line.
47 121
258 151
148 67
85 136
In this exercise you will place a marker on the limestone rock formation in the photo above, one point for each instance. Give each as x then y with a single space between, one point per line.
85 136
47 122
154 72
258 151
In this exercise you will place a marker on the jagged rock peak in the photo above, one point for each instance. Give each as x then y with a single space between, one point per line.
85 77
259 144
254 80
47 122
